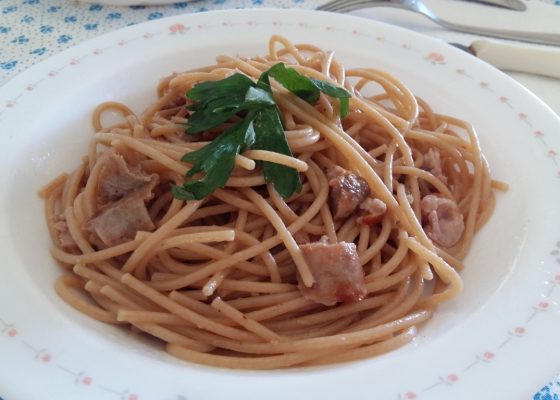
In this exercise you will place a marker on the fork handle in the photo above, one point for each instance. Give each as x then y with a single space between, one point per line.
529 37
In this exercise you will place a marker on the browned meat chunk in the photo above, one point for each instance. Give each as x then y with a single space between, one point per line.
120 222
374 209
122 195
348 190
445 224
337 272
432 164
116 179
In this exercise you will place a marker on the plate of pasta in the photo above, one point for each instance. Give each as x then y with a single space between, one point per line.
276 203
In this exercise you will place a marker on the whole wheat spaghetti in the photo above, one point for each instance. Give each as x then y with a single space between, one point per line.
230 280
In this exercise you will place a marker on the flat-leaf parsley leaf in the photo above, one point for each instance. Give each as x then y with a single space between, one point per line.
260 127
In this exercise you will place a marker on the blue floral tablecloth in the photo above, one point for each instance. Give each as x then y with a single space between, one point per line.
33 30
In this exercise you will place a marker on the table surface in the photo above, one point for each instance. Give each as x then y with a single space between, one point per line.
33 30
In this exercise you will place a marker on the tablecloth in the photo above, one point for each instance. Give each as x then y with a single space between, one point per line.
33 30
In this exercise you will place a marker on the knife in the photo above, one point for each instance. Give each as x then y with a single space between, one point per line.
516 5
514 57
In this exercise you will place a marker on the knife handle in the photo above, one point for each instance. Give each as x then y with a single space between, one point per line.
520 58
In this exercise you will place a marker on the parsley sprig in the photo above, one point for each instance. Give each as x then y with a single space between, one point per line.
259 127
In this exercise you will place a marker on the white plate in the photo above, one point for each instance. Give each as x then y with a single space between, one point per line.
498 339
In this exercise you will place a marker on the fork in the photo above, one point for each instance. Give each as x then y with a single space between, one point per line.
418 6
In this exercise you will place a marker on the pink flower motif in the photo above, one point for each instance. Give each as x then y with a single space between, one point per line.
86 380
12 332
504 99
380 38
122 43
452 378
132 396
543 305
52 73
460 71
552 153
30 87
435 58
538 134
10 104
177 28
147 35
329 28
200 26
557 278
97 51
484 85
302 25
255 23
227 23
46 358
356 33
522 116
488 356
410 395
74 61
406 46
519 331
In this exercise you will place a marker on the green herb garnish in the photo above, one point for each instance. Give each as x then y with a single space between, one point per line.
260 127
216 160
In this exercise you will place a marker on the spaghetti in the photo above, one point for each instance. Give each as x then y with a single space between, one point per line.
230 280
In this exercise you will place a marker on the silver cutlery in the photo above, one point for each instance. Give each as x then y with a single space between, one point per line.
516 5
418 6
530 59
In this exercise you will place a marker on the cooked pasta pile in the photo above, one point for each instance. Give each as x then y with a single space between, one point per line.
234 279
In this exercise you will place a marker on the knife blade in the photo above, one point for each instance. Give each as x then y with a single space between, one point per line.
516 5
514 57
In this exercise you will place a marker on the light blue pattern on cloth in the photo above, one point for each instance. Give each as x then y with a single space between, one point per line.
550 391
33 30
